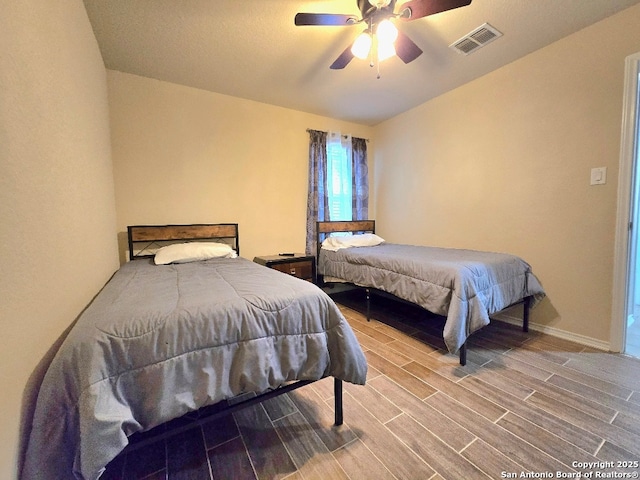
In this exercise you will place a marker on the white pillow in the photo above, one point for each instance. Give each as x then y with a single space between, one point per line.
193 252
365 240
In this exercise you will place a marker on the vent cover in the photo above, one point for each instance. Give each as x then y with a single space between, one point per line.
478 38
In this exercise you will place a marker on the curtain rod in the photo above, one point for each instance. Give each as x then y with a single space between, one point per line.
343 136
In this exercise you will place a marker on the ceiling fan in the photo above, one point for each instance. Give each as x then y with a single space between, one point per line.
380 35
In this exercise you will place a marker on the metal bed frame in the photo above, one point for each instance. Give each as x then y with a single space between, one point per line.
147 236
323 229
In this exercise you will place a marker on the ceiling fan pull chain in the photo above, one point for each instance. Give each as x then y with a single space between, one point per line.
377 64
373 44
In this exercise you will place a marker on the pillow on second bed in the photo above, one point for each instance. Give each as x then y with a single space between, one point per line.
365 240
193 252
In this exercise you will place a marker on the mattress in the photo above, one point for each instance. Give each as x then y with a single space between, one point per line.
465 286
160 341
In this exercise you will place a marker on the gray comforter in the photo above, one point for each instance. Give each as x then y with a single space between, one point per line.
466 286
160 341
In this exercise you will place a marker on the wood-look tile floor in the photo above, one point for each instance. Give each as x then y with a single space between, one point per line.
526 405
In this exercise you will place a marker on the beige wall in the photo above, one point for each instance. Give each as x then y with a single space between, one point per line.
503 163
183 155
500 164
57 240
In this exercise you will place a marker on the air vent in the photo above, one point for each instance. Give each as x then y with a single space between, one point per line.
471 42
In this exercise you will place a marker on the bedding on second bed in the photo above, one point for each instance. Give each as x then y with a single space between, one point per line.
466 286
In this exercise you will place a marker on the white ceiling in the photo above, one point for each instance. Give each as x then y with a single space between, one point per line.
252 49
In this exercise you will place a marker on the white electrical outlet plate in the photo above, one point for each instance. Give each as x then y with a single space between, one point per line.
599 176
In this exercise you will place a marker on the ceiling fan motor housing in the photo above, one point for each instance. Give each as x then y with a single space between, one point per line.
369 7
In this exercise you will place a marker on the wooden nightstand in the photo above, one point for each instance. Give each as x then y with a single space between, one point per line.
299 265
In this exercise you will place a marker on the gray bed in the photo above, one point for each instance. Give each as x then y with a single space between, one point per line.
161 340
465 286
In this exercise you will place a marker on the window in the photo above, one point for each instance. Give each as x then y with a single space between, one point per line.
338 181
339 177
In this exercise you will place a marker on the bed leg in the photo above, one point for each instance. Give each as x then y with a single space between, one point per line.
337 393
463 354
368 294
525 314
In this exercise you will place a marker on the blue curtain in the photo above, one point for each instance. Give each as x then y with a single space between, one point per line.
317 199
360 179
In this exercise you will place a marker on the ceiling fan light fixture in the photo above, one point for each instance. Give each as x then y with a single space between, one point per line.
387 32
362 46
385 50
377 42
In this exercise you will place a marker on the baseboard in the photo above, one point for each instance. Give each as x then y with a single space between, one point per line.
513 319
555 332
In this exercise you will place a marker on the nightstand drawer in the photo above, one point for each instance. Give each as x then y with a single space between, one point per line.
298 264
302 269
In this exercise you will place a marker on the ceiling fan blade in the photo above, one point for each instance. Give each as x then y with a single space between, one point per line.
424 8
343 60
329 19
406 49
